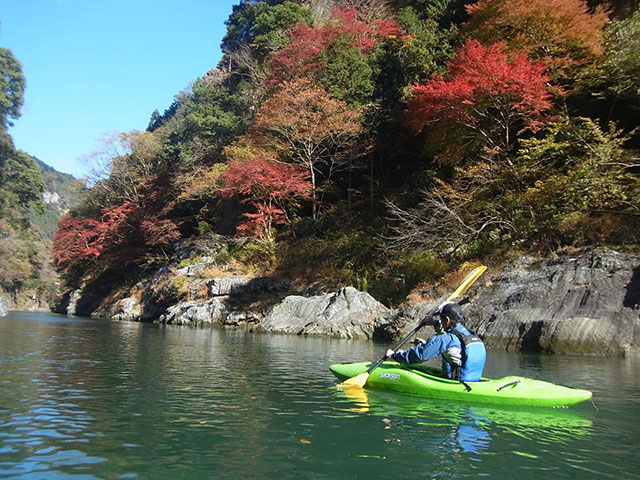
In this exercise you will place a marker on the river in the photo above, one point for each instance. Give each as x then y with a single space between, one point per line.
86 399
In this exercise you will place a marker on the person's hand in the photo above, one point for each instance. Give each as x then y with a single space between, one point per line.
389 353
418 341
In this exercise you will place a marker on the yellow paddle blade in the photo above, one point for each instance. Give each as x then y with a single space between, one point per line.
358 395
357 381
467 282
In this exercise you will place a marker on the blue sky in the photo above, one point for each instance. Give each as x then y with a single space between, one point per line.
95 67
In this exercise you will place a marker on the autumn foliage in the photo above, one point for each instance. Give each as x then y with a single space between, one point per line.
302 55
270 187
484 93
562 33
77 240
304 125
124 234
311 141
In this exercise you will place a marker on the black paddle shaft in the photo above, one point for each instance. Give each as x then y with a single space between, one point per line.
422 323
404 340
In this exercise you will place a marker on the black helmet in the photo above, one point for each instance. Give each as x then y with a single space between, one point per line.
452 311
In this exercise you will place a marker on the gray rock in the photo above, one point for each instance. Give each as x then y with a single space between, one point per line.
243 285
585 303
580 304
74 297
126 310
195 313
347 313
227 286
244 318
3 308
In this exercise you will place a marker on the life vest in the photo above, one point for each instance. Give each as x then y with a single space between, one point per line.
465 341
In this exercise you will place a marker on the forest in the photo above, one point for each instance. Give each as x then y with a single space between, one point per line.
374 143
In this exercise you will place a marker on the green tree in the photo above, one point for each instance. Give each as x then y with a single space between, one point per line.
262 25
428 47
12 85
272 22
21 182
210 119
347 73
621 63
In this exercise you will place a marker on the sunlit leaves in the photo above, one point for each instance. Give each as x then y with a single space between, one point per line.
304 125
303 55
484 93
12 85
270 187
565 34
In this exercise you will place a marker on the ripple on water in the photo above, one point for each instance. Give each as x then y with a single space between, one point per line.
127 401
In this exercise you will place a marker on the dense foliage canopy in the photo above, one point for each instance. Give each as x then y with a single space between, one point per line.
379 142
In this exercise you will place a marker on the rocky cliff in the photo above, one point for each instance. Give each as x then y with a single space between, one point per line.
588 303
583 303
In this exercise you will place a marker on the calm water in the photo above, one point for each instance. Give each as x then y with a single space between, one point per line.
86 399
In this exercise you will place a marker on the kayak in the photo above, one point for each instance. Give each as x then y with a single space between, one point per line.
428 382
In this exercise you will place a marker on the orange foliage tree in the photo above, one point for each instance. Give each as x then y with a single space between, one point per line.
304 125
563 33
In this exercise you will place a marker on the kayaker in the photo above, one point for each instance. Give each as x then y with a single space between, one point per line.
463 353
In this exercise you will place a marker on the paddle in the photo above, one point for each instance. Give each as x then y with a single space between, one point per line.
361 379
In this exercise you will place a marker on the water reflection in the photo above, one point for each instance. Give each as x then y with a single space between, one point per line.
91 399
470 426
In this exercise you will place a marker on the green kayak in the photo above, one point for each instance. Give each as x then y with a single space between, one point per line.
426 381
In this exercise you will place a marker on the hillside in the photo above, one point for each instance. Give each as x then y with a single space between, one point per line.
28 279
379 144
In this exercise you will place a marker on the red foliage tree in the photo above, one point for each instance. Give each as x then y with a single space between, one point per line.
493 98
76 242
159 232
262 223
270 186
123 234
302 55
130 230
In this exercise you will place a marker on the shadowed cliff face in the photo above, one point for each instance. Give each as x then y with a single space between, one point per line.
572 304
632 297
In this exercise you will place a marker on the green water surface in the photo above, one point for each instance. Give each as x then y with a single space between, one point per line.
87 399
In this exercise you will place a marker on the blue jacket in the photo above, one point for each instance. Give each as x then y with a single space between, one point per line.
448 345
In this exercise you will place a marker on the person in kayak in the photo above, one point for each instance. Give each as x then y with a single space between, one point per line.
463 353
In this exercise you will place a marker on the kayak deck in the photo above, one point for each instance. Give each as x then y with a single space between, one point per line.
425 381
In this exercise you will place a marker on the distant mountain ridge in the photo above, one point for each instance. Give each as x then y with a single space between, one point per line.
59 193
60 188
28 280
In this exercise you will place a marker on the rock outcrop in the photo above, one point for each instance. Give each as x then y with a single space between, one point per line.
195 313
582 303
585 303
347 313
3 308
